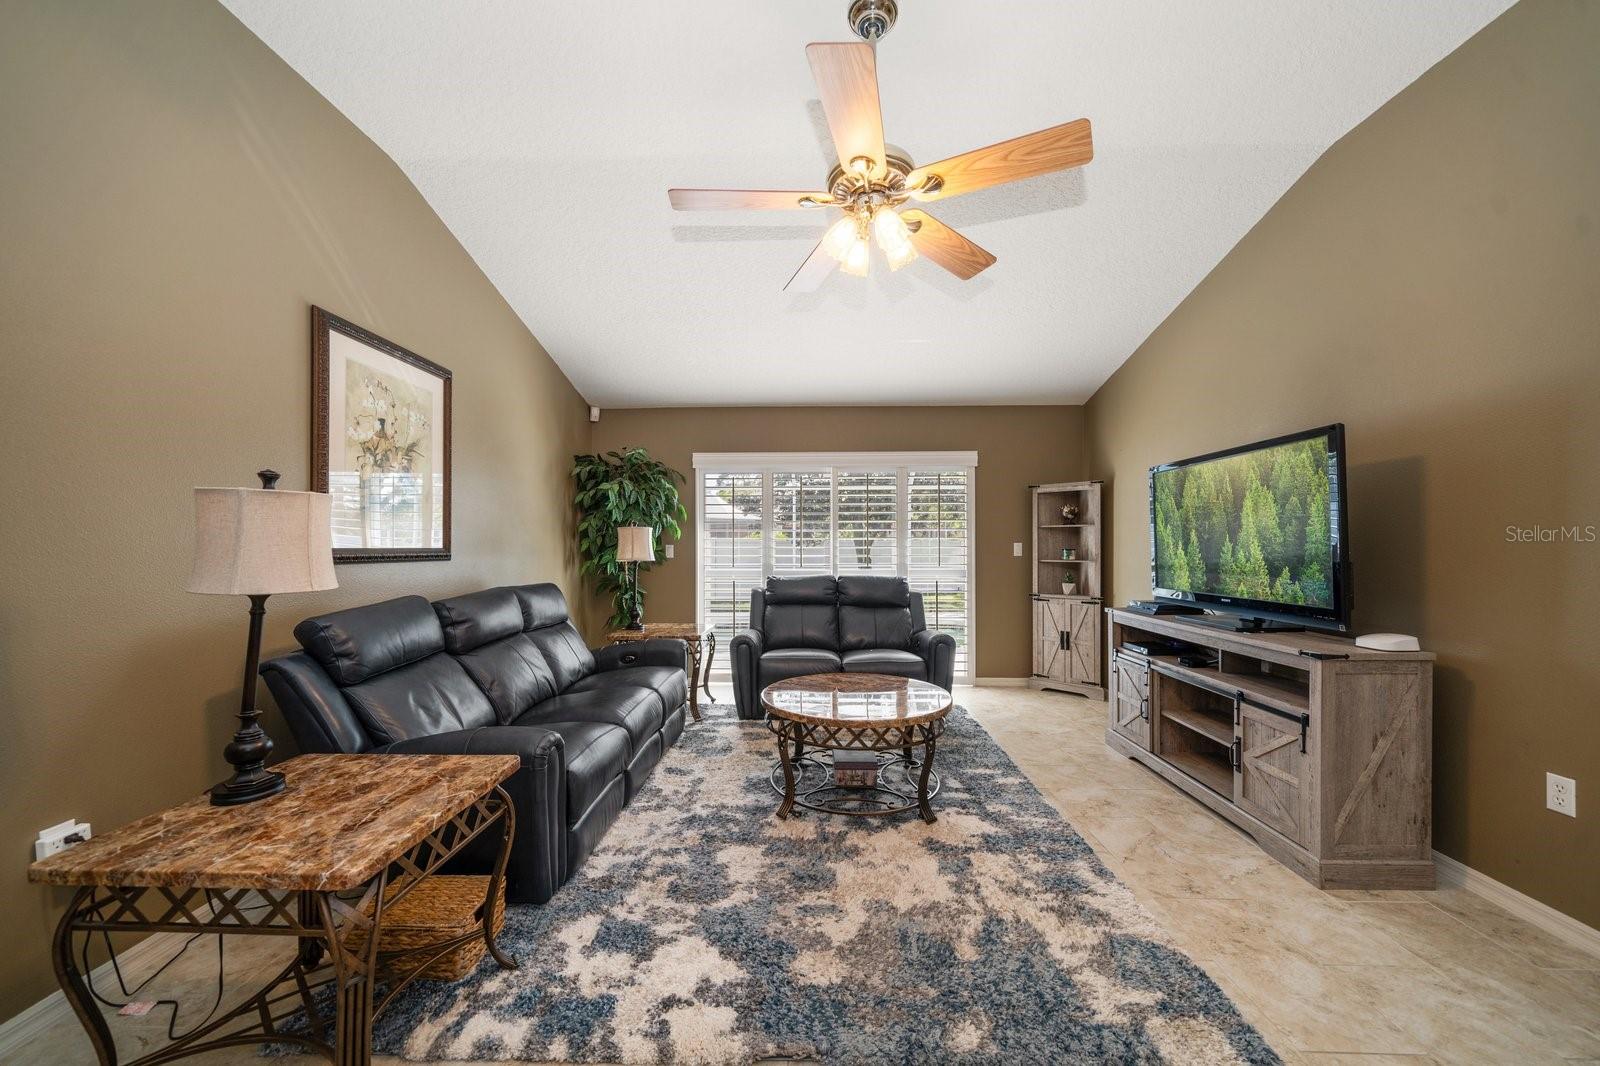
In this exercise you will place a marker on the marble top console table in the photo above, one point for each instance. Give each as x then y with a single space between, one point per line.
350 836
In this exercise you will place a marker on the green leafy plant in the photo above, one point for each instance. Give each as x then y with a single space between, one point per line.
626 488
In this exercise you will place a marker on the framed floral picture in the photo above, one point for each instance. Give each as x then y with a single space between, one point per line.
380 444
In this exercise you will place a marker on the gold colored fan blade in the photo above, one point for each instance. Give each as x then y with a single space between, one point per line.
1057 148
945 246
818 265
847 80
744 199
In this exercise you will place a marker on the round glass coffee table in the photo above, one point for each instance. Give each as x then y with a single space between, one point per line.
895 722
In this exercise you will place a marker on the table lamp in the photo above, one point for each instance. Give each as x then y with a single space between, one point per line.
255 542
635 545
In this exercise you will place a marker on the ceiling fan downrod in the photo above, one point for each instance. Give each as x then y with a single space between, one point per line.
871 19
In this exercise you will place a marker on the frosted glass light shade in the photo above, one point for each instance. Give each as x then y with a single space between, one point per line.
840 236
856 262
636 544
250 542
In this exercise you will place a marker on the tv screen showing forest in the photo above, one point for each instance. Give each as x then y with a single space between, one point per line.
1254 525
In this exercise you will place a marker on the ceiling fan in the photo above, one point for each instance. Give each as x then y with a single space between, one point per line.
873 181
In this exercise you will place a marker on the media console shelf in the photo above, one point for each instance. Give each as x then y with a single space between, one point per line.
1325 759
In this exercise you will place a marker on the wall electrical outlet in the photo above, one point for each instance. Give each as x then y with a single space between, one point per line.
1561 794
1016 548
55 838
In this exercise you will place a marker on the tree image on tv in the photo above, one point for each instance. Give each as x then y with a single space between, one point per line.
1255 526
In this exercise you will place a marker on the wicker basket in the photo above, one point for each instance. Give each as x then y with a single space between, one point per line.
438 908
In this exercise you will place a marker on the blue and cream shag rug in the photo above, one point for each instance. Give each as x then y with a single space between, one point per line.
704 930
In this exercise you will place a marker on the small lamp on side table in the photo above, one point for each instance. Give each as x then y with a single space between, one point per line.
635 545
255 542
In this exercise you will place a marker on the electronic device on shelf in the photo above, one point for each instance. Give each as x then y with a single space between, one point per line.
1197 661
1255 534
1154 607
1156 646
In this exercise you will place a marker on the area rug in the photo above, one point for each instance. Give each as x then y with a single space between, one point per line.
705 930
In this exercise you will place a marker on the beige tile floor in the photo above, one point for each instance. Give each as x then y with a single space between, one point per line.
1328 977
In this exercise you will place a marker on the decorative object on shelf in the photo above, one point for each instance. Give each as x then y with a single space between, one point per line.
626 488
855 769
256 542
635 545
1070 513
877 186
380 444
1388 642
1069 588
1069 554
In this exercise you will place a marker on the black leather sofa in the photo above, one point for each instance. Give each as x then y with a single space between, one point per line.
823 625
497 672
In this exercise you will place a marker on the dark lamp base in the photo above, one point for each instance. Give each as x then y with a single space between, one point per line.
237 790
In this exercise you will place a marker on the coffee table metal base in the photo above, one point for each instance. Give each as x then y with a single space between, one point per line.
905 782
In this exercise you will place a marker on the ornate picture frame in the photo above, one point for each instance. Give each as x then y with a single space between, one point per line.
380 444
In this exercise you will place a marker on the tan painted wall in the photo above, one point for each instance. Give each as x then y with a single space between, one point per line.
1434 283
172 198
1016 446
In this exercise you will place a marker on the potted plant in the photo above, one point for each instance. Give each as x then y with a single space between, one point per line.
625 488
1069 587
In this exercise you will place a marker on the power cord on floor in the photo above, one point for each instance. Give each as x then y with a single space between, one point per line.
172 1004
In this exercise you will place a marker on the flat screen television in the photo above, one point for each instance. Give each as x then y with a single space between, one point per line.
1257 533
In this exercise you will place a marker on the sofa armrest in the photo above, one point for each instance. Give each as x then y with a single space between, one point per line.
538 793
745 652
657 651
938 650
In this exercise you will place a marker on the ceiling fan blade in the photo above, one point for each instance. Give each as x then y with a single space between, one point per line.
945 246
744 199
818 265
1032 154
847 79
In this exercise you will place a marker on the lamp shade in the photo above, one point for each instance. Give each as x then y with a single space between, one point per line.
251 542
636 544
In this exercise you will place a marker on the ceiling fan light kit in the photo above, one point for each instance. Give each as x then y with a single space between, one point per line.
873 181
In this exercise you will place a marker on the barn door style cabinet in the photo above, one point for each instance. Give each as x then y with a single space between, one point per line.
1321 751
1067 653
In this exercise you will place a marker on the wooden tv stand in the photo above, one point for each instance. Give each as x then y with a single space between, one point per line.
1326 762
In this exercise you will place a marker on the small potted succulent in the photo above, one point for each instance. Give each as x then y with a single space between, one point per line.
1069 586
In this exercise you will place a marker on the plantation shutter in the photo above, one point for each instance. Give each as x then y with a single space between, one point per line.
792 515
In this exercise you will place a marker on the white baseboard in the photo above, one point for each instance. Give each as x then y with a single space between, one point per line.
1000 682
1453 874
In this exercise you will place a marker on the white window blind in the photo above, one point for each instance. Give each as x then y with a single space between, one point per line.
789 515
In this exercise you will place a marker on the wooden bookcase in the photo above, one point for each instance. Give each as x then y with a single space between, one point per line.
1067 652
1320 750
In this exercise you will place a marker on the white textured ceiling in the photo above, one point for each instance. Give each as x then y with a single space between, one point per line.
546 135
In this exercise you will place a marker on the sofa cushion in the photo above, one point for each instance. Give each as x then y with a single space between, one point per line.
636 710
596 754
512 672
419 699
475 619
546 621
796 662
670 683
886 661
362 642
801 612
874 612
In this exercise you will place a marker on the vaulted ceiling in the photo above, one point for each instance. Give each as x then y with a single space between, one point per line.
546 134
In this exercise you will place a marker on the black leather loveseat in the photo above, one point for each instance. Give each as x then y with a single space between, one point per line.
497 672
823 625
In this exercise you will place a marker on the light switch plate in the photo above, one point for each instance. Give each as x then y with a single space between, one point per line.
1561 794
667 550
1016 548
